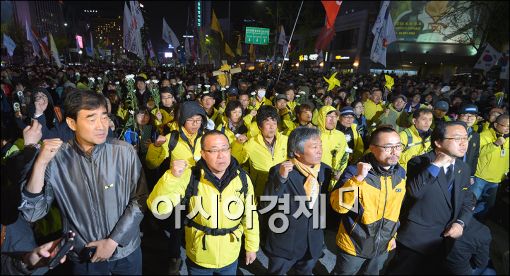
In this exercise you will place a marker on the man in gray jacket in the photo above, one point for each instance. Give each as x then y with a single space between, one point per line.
99 186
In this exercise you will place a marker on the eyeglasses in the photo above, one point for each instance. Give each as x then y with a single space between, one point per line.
389 148
166 98
469 116
216 151
458 139
506 126
194 122
40 98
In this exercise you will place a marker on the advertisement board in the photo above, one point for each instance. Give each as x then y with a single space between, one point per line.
426 21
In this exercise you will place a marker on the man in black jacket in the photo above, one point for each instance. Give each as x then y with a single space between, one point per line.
300 244
438 204
468 114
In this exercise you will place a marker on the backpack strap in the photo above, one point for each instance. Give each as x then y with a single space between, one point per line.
174 138
244 182
409 138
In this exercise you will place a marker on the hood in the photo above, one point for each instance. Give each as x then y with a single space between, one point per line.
49 113
190 109
321 118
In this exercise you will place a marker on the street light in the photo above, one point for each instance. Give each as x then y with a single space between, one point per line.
65 24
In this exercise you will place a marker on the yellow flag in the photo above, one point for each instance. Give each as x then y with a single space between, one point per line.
215 25
239 50
228 51
389 82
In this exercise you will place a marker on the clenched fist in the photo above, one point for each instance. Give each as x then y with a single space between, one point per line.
363 169
177 167
160 141
285 168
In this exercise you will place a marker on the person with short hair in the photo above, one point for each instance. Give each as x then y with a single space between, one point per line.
416 139
233 124
467 114
213 243
302 175
492 166
438 203
346 124
334 144
99 185
264 150
370 195
374 107
394 114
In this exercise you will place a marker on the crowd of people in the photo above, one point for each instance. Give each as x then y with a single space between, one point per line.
403 164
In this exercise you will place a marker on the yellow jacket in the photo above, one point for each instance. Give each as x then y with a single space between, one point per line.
359 146
333 143
166 118
182 151
260 158
493 160
368 231
412 148
220 250
372 111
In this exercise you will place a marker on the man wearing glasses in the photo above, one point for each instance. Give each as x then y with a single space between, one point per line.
492 164
220 194
369 195
468 114
438 204
181 148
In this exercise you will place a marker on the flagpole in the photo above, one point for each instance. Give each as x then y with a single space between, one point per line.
290 39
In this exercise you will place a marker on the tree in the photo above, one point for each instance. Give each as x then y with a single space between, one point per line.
476 23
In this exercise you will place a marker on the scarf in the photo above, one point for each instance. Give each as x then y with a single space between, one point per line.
191 137
311 185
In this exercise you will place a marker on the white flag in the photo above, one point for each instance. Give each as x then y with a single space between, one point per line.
384 34
503 62
136 14
54 51
282 40
132 36
32 39
487 59
169 35
187 48
125 27
9 44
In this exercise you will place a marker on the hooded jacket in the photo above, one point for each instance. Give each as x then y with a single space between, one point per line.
48 119
184 150
334 143
367 232
207 250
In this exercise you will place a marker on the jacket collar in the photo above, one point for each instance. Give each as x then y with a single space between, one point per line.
230 173
95 151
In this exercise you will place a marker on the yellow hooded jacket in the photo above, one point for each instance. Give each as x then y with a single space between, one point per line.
182 151
333 143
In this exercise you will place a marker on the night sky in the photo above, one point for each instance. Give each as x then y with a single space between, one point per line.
176 12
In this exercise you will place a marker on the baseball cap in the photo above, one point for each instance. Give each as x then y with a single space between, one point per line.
347 110
442 105
468 109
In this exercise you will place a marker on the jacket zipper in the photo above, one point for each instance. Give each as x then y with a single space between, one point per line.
377 237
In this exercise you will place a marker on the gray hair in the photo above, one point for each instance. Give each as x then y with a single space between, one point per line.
298 138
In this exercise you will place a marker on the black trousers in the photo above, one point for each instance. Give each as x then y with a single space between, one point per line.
407 261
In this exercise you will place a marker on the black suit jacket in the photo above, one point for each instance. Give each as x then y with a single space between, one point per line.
428 208
300 235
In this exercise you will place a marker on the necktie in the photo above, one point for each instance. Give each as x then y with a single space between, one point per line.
449 177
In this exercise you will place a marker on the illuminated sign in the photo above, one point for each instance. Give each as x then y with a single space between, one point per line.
168 54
